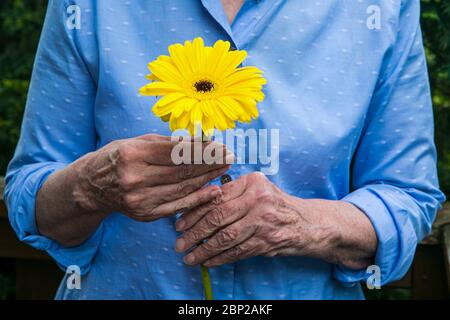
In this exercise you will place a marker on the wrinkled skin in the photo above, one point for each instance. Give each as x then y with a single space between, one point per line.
255 218
133 176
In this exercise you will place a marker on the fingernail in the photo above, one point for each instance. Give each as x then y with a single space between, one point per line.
189 259
180 224
180 244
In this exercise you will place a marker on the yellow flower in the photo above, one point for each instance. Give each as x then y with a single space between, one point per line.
204 85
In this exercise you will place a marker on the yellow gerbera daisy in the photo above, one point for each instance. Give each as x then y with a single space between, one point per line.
204 85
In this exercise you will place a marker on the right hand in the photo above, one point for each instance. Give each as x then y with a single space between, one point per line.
138 178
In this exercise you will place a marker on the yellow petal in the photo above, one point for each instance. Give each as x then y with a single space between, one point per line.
196 114
252 69
219 51
173 123
165 71
152 77
199 54
189 51
183 120
230 107
158 88
183 105
179 109
230 62
191 128
206 107
208 126
249 105
244 79
257 95
190 103
230 123
169 98
220 119
179 58
161 111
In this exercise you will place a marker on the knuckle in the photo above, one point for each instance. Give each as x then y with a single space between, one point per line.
185 188
195 235
256 177
207 247
235 252
263 196
182 204
164 197
128 181
125 153
215 218
257 181
217 201
270 216
227 236
185 172
277 238
131 202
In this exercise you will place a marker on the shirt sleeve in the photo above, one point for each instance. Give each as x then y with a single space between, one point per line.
58 127
394 175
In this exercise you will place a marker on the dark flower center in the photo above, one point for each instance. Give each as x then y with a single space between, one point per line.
204 86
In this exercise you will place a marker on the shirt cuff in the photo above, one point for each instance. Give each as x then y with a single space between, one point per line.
20 196
395 249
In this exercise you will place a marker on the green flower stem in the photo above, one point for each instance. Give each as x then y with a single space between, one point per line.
206 279
206 283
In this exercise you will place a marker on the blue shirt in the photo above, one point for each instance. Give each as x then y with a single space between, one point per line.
347 88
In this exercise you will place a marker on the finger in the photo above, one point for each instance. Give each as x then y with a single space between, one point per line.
223 240
192 216
171 153
176 191
234 189
162 175
218 218
220 242
188 195
157 152
172 194
242 251
231 190
194 199
153 137
284 251
203 195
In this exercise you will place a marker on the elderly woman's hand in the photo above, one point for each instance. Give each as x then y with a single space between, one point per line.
134 176
138 177
254 217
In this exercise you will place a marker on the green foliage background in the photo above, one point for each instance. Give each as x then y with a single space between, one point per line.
21 22
20 27
436 31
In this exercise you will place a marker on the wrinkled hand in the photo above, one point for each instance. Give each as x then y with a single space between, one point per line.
253 217
138 178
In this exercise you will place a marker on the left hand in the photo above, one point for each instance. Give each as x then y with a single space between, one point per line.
253 217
